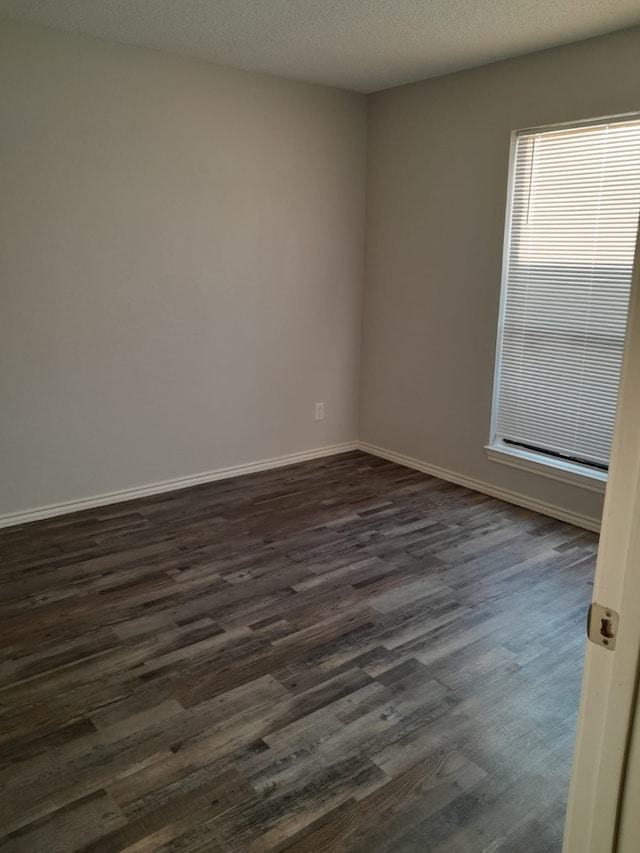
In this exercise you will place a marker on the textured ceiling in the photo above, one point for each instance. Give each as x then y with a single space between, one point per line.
363 45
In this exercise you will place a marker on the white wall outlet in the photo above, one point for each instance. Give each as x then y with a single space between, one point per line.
318 412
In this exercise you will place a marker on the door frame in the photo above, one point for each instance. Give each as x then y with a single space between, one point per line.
610 678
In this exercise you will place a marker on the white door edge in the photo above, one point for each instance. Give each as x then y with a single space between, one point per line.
609 682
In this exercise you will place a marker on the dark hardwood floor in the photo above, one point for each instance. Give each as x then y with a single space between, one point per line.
345 655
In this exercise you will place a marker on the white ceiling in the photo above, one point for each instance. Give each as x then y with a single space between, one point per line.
364 45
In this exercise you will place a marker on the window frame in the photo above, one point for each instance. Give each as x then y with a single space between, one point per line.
556 468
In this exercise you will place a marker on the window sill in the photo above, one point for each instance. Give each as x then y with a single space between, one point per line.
557 469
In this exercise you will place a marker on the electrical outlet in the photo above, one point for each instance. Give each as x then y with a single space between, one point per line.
318 412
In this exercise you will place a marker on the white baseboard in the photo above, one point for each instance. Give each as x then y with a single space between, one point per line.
53 510
543 508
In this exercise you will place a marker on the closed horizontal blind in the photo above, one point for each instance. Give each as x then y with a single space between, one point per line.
575 202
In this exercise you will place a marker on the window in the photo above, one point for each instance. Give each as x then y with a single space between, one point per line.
572 222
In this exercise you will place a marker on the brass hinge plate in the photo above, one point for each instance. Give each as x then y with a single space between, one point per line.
602 626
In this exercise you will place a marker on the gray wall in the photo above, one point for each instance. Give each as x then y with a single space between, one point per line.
438 160
181 266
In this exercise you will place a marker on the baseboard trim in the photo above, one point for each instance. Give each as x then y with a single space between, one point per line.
516 498
53 510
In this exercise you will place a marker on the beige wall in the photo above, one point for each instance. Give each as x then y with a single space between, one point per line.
438 159
181 266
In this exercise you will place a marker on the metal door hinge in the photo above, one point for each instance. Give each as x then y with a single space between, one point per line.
602 626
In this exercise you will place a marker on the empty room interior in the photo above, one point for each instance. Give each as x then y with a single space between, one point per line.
312 323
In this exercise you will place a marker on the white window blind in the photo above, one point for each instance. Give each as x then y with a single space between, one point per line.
574 207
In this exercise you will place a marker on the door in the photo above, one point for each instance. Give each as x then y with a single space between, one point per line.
599 814
629 829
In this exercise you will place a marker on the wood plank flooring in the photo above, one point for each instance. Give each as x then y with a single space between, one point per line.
344 655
